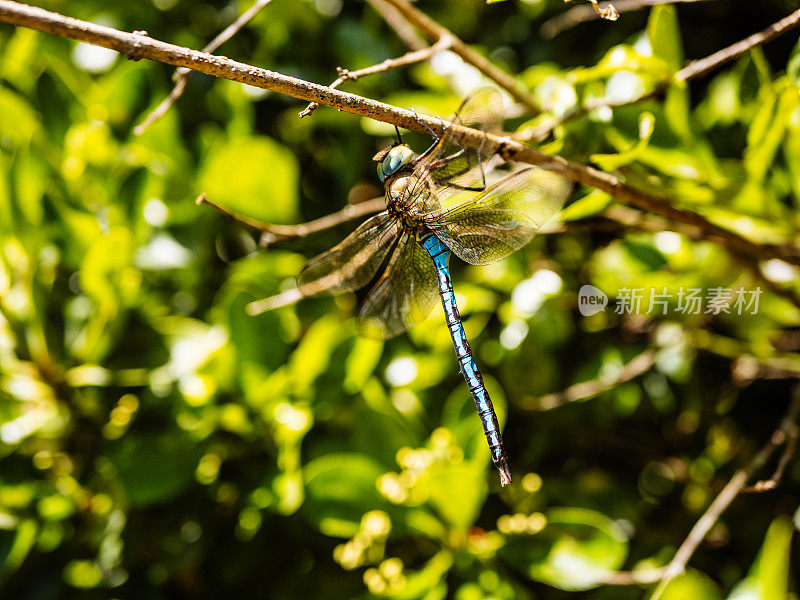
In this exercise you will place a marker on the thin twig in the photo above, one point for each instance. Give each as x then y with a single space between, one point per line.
271 233
181 75
136 45
726 496
606 12
765 485
712 514
583 13
392 63
392 17
700 67
287 298
434 32
588 389
694 69
635 219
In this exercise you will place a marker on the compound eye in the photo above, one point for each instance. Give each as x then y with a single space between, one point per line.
395 159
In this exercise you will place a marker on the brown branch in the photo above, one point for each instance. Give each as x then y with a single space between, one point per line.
287 298
746 368
700 67
727 495
646 222
392 63
765 485
732 489
434 32
181 75
277 233
606 12
392 17
136 46
694 69
583 13
588 389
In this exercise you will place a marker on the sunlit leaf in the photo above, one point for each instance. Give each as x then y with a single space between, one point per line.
769 575
253 176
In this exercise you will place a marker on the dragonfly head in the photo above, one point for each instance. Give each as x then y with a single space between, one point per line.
390 160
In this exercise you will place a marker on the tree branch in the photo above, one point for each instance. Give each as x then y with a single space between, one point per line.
727 495
704 524
137 46
696 68
434 32
391 63
402 28
584 12
701 67
278 233
588 389
181 75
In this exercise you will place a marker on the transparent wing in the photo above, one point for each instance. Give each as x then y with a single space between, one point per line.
451 166
404 295
354 262
492 224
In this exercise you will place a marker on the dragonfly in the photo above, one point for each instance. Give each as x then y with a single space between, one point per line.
439 203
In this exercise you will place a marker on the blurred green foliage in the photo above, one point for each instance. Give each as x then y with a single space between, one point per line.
158 442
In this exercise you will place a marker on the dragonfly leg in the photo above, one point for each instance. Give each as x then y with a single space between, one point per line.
469 369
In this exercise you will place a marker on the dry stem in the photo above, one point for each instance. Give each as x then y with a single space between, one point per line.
434 32
391 63
712 514
181 75
136 46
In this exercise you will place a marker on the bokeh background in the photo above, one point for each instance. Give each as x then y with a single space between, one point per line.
158 442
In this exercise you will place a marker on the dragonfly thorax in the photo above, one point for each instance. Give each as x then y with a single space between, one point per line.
402 205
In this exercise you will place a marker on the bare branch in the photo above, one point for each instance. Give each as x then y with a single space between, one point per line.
391 63
606 12
136 45
583 13
247 221
732 489
434 32
701 67
694 69
181 75
726 496
287 298
407 34
588 389
791 435
277 233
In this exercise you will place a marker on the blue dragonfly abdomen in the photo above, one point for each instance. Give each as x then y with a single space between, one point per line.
440 254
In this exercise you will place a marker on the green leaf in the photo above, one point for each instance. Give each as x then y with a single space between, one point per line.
340 489
19 121
768 578
610 162
155 468
591 204
361 363
428 578
691 585
665 35
575 550
465 481
253 176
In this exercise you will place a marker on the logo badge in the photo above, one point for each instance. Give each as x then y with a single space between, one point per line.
591 300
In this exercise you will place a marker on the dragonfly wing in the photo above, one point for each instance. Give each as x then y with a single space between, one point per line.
494 223
403 296
452 166
354 262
